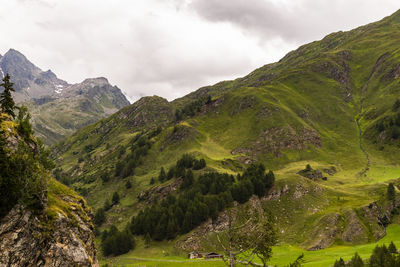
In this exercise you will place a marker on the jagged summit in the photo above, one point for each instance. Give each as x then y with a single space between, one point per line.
45 93
96 81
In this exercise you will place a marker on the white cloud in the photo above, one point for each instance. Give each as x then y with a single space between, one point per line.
170 48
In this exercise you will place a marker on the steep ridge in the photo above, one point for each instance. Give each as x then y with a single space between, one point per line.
329 103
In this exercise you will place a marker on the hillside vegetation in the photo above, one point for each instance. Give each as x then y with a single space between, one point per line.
324 119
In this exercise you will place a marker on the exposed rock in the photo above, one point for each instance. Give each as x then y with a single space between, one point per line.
377 217
267 111
159 192
312 174
276 193
212 106
300 191
243 104
193 241
393 72
277 139
179 134
147 112
324 233
331 170
355 230
29 239
340 73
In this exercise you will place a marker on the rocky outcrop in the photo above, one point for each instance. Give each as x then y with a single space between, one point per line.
324 233
312 174
276 139
159 192
31 239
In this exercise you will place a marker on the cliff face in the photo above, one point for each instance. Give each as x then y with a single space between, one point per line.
42 222
29 239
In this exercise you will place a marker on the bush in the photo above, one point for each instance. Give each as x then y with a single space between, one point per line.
99 217
116 243
23 176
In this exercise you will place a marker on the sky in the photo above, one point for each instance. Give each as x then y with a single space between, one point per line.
171 47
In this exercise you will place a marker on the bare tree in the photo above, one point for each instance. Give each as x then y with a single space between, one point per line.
250 235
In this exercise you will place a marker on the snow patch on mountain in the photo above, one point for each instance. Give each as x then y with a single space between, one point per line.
59 88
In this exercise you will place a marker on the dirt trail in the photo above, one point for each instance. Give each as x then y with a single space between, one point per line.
364 89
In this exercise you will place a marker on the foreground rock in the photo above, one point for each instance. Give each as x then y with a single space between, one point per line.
31 239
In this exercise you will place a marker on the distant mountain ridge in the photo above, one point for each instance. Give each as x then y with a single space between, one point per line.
57 107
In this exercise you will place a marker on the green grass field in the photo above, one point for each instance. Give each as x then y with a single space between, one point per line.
282 255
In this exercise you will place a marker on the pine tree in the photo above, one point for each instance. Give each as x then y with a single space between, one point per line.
24 124
162 176
392 248
188 179
339 263
99 217
6 101
115 198
391 193
356 261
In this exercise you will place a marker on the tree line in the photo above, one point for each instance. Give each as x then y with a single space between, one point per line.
198 200
381 256
187 161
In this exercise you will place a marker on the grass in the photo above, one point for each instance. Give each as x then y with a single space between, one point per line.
282 255
326 257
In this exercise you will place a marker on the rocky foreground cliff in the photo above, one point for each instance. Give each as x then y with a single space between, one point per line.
31 239
42 222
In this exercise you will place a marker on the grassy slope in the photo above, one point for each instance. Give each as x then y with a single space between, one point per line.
319 86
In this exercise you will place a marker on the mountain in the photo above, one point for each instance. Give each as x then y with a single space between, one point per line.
57 107
325 119
42 222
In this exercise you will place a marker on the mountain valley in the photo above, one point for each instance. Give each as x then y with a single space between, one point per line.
307 147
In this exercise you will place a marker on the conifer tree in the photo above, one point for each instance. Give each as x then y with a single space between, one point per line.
6 101
115 198
162 176
392 248
391 193
339 263
356 261
99 217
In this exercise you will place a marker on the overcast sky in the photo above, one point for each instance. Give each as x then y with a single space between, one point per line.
171 47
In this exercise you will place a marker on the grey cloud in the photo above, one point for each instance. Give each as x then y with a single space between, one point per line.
262 16
171 47
295 21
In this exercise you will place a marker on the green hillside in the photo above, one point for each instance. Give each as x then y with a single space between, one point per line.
332 104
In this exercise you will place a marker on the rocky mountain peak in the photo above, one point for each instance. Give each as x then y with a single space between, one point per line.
19 67
99 81
49 74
